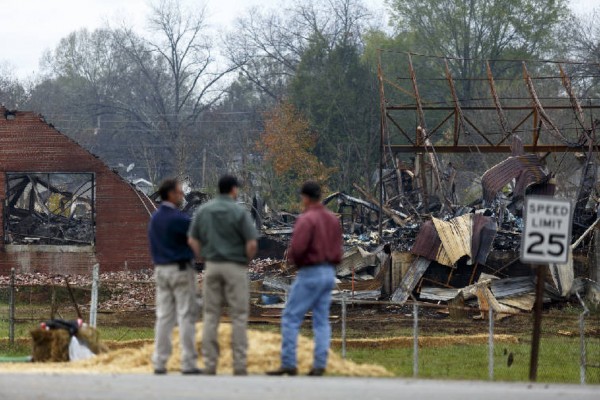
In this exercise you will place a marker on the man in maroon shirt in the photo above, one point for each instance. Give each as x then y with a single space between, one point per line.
315 249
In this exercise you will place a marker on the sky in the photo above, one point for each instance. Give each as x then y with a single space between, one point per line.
30 27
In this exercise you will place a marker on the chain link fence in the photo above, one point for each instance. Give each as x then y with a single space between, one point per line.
416 339
429 341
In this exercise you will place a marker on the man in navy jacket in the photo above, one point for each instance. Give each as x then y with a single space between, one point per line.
175 280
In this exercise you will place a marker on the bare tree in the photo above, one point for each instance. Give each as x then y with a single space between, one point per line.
584 41
268 46
178 69
12 92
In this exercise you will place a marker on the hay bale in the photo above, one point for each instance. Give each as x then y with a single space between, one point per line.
50 346
91 338
53 345
41 340
60 346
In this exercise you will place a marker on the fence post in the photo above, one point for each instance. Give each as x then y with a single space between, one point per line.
583 360
582 349
94 305
344 325
11 309
491 344
415 340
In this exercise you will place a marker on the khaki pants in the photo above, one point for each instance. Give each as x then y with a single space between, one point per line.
175 304
225 282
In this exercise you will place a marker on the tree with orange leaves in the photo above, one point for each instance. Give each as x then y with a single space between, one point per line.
287 144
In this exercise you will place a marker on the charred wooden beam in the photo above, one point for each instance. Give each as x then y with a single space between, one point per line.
544 118
501 116
578 111
459 121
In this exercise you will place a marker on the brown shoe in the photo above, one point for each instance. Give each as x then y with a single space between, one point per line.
283 371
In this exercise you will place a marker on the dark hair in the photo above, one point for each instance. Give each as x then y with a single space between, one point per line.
227 183
312 190
166 187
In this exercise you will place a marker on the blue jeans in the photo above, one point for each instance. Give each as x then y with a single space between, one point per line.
311 291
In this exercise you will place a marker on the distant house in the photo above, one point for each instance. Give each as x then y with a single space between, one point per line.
63 209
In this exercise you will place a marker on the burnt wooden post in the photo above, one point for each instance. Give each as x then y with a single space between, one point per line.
537 322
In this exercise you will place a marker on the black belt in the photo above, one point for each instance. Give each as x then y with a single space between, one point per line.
183 264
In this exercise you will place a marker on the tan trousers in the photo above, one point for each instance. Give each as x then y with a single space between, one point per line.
175 304
225 282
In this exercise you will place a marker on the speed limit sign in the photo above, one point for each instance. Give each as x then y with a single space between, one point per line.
547 234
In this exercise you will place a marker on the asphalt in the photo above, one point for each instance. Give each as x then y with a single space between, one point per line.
147 387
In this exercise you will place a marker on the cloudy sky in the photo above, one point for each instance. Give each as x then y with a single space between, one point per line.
29 27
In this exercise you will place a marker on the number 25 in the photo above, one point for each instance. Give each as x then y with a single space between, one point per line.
553 240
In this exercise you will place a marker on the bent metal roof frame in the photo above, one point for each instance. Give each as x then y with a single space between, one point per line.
537 116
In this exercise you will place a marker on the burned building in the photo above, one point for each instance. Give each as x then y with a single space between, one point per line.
62 208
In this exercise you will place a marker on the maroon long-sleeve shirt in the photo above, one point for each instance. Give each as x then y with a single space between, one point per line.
317 238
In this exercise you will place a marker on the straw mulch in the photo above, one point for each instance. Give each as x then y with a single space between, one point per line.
424 341
263 354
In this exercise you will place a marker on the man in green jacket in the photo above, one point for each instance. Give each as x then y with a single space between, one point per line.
223 234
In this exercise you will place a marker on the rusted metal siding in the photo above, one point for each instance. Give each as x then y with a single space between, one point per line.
428 243
526 169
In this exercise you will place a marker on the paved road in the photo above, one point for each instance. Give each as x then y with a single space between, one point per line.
147 387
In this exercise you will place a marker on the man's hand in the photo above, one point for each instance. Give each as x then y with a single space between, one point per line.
196 247
251 249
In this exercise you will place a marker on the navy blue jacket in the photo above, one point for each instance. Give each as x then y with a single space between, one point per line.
168 236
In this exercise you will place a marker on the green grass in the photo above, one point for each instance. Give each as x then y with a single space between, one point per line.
16 350
559 361
559 355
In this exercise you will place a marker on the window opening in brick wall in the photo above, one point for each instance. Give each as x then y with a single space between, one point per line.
49 209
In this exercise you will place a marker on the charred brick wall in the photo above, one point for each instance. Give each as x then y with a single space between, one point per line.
29 144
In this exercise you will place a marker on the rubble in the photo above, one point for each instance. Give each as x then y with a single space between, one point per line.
124 290
50 209
459 253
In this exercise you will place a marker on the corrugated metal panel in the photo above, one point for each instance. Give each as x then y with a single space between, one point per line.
484 232
356 258
428 243
527 169
456 238
446 242
524 302
277 283
371 284
438 294
359 295
511 287
409 281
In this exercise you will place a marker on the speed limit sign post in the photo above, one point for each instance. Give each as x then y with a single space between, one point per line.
546 240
